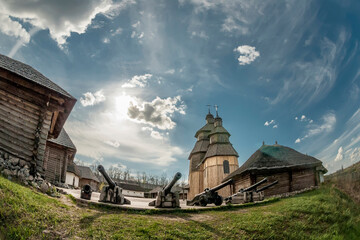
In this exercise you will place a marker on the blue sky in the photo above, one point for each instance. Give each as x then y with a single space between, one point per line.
144 71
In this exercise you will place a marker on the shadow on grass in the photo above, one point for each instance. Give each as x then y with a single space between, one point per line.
105 208
88 220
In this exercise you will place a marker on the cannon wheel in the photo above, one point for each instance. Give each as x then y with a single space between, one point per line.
202 201
218 200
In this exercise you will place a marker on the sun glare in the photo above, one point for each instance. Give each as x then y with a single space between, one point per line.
122 103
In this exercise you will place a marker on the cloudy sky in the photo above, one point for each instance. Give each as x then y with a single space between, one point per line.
144 71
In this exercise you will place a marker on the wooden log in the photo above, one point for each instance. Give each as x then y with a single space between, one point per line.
17 114
30 112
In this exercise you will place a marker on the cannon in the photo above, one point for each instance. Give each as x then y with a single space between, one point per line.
86 192
165 198
210 195
111 193
250 194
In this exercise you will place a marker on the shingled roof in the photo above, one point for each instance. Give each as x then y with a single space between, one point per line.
221 149
30 73
87 173
275 157
200 146
63 140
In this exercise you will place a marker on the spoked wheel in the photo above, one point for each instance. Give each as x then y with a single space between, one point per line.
218 200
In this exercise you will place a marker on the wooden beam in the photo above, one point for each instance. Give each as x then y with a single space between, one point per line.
53 121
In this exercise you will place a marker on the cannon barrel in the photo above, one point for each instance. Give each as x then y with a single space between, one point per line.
220 186
87 189
252 187
168 187
111 183
267 186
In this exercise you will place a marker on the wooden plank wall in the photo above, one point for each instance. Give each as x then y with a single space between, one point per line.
54 164
242 182
303 179
283 185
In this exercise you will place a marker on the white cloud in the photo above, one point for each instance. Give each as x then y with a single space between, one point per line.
137 81
328 124
170 71
268 123
71 16
113 143
298 140
312 80
340 155
303 118
13 28
118 31
248 54
158 112
275 126
92 99
106 40
94 134
153 133
201 34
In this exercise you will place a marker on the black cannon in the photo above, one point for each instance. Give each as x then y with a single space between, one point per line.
165 198
86 192
209 196
111 193
250 194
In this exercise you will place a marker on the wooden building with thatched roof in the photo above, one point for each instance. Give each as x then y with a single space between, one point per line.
59 153
293 170
32 110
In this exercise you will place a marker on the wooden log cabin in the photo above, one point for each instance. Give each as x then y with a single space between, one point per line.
32 110
59 154
294 170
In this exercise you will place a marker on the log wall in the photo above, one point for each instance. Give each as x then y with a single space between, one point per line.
214 172
303 178
20 118
282 186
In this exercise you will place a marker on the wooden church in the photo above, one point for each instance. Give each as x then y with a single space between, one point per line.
213 160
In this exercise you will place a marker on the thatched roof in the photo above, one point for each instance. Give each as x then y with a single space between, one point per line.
63 140
87 173
269 157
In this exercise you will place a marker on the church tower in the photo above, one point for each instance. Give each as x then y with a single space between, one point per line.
220 159
212 157
196 181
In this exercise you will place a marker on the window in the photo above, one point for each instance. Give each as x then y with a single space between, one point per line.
226 166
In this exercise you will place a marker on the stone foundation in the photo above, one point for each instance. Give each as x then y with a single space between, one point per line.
14 168
290 194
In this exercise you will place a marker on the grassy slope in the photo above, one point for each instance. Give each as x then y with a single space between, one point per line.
321 214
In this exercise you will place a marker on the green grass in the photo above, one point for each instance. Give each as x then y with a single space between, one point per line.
325 213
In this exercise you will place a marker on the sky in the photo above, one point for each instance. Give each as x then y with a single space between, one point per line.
143 73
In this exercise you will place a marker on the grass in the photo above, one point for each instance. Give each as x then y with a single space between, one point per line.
325 213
